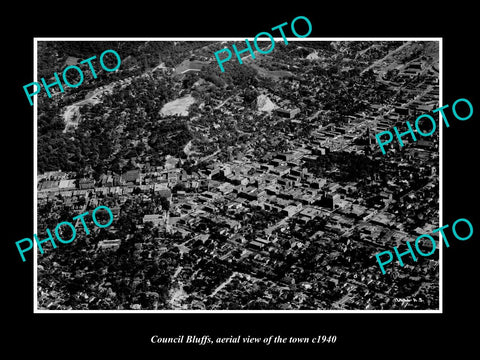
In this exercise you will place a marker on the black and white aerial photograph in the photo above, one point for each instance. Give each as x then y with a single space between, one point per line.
192 179
258 188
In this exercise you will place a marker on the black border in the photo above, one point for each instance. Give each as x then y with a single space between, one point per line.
378 334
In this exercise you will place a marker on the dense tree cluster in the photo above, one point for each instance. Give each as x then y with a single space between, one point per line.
131 127
156 269
144 55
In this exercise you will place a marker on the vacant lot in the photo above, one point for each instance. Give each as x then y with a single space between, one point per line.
178 107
